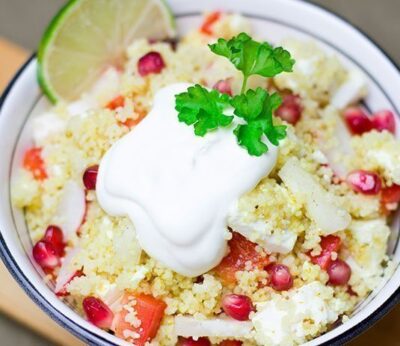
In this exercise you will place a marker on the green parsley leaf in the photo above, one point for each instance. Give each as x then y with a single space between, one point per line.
256 108
252 57
202 108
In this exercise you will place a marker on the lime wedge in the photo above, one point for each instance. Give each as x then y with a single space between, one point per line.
87 36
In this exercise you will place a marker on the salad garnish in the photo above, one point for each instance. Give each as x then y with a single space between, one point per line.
205 109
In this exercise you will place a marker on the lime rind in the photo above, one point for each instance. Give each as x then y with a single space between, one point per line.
51 33
45 44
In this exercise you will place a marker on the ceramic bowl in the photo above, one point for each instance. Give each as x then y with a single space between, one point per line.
273 20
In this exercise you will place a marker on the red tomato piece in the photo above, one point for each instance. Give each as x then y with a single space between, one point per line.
241 252
328 244
149 311
230 343
34 163
133 122
391 194
209 21
117 102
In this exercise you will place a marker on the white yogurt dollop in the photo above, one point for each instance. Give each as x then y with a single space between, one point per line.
177 188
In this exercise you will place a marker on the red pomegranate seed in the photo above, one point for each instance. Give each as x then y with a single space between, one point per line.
192 342
237 306
384 120
45 255
97 312
290 109
365 182
329 244
357 120
230 343
55 237
339 273
150 63
280 278
223 86
90 177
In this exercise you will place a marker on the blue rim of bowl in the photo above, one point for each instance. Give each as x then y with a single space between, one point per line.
95 339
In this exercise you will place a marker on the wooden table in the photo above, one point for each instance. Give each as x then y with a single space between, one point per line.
15 303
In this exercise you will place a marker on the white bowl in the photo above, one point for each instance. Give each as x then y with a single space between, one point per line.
272 19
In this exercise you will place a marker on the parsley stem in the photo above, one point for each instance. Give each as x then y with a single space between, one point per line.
245 78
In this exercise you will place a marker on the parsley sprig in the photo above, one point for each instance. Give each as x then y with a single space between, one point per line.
252 57
205 109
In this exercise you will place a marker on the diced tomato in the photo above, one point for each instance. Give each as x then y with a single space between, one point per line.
34 163
209 21
149 311
328 244
133 122
230 343
117 102
241 252
391 194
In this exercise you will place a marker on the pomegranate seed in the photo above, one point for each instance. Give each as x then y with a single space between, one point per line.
90 177
357 120
97 312
192 342
384 120
280 278
45 255
237 306
290 109
223 86
365 182
150 63
55 237
230 343
329 244
339 273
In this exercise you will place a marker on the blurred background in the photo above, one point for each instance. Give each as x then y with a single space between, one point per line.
21 25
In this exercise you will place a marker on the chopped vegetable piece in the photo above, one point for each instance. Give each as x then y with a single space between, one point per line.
193 342
149 311
209 21
34 163
241 252
329 244
97 312
391 194
237 306
117 102
133 122
230 343
62 292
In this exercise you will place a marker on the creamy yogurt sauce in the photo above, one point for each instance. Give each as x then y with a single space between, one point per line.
178 188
